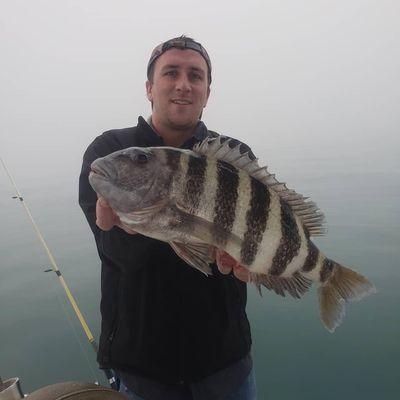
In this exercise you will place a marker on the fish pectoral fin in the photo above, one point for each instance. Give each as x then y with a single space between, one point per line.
198 255
295 285
203 230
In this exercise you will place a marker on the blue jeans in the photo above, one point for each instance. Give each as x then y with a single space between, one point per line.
247 391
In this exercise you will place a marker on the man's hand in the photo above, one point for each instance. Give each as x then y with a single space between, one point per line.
226 264
106 218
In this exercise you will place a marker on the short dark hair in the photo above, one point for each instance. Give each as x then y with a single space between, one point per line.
181 42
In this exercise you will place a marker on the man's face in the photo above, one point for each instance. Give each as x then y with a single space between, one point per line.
179 90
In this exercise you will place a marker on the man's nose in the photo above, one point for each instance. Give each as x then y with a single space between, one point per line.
183 83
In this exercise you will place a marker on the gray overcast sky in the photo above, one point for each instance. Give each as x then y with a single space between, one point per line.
321 76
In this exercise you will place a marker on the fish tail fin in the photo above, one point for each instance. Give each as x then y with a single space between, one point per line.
342 286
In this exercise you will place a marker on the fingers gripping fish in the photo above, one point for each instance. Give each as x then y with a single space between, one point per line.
217 197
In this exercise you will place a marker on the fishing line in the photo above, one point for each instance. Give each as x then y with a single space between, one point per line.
55 268
71 324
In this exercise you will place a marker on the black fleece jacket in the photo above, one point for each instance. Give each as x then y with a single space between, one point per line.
161 318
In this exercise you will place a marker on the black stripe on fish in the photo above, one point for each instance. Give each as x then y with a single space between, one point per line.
289 245
173 159
312 257
195 181
326 270
225 200
256 221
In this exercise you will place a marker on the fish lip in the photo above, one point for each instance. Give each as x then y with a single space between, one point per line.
98 172
95 178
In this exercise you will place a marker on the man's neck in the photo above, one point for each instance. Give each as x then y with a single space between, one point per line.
172 137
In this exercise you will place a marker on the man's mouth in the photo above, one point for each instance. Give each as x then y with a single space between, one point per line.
181 102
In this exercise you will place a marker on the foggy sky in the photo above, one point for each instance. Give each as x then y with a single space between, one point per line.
319 76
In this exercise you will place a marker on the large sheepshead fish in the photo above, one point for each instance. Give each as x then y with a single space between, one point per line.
217 197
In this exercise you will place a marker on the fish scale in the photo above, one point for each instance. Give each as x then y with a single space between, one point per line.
289 244
194 181
242 204
256 222
225 202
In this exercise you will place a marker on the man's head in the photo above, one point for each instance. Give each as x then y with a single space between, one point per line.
178 86
181 42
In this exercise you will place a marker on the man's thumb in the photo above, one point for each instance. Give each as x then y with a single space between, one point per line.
102 202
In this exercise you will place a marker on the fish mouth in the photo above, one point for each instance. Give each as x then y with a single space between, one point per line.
97 171
97 174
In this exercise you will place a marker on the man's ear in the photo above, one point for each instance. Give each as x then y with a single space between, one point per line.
208 95
149 91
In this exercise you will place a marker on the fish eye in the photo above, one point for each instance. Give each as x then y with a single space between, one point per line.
141 158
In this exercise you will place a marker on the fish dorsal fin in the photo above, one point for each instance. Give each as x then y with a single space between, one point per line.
231 151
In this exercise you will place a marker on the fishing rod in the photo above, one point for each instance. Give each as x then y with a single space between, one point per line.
110 376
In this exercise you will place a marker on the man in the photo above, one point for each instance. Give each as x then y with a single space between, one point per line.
168 331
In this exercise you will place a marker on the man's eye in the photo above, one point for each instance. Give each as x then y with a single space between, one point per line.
170 73
196 77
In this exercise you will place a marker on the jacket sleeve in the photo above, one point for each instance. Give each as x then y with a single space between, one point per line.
115 247
87 196
100 147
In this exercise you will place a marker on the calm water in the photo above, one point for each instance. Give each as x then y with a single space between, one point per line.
295 357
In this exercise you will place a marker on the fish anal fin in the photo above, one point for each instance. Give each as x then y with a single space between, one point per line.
343 285
197 255
295 285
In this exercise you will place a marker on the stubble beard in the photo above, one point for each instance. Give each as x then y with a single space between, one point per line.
182 126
